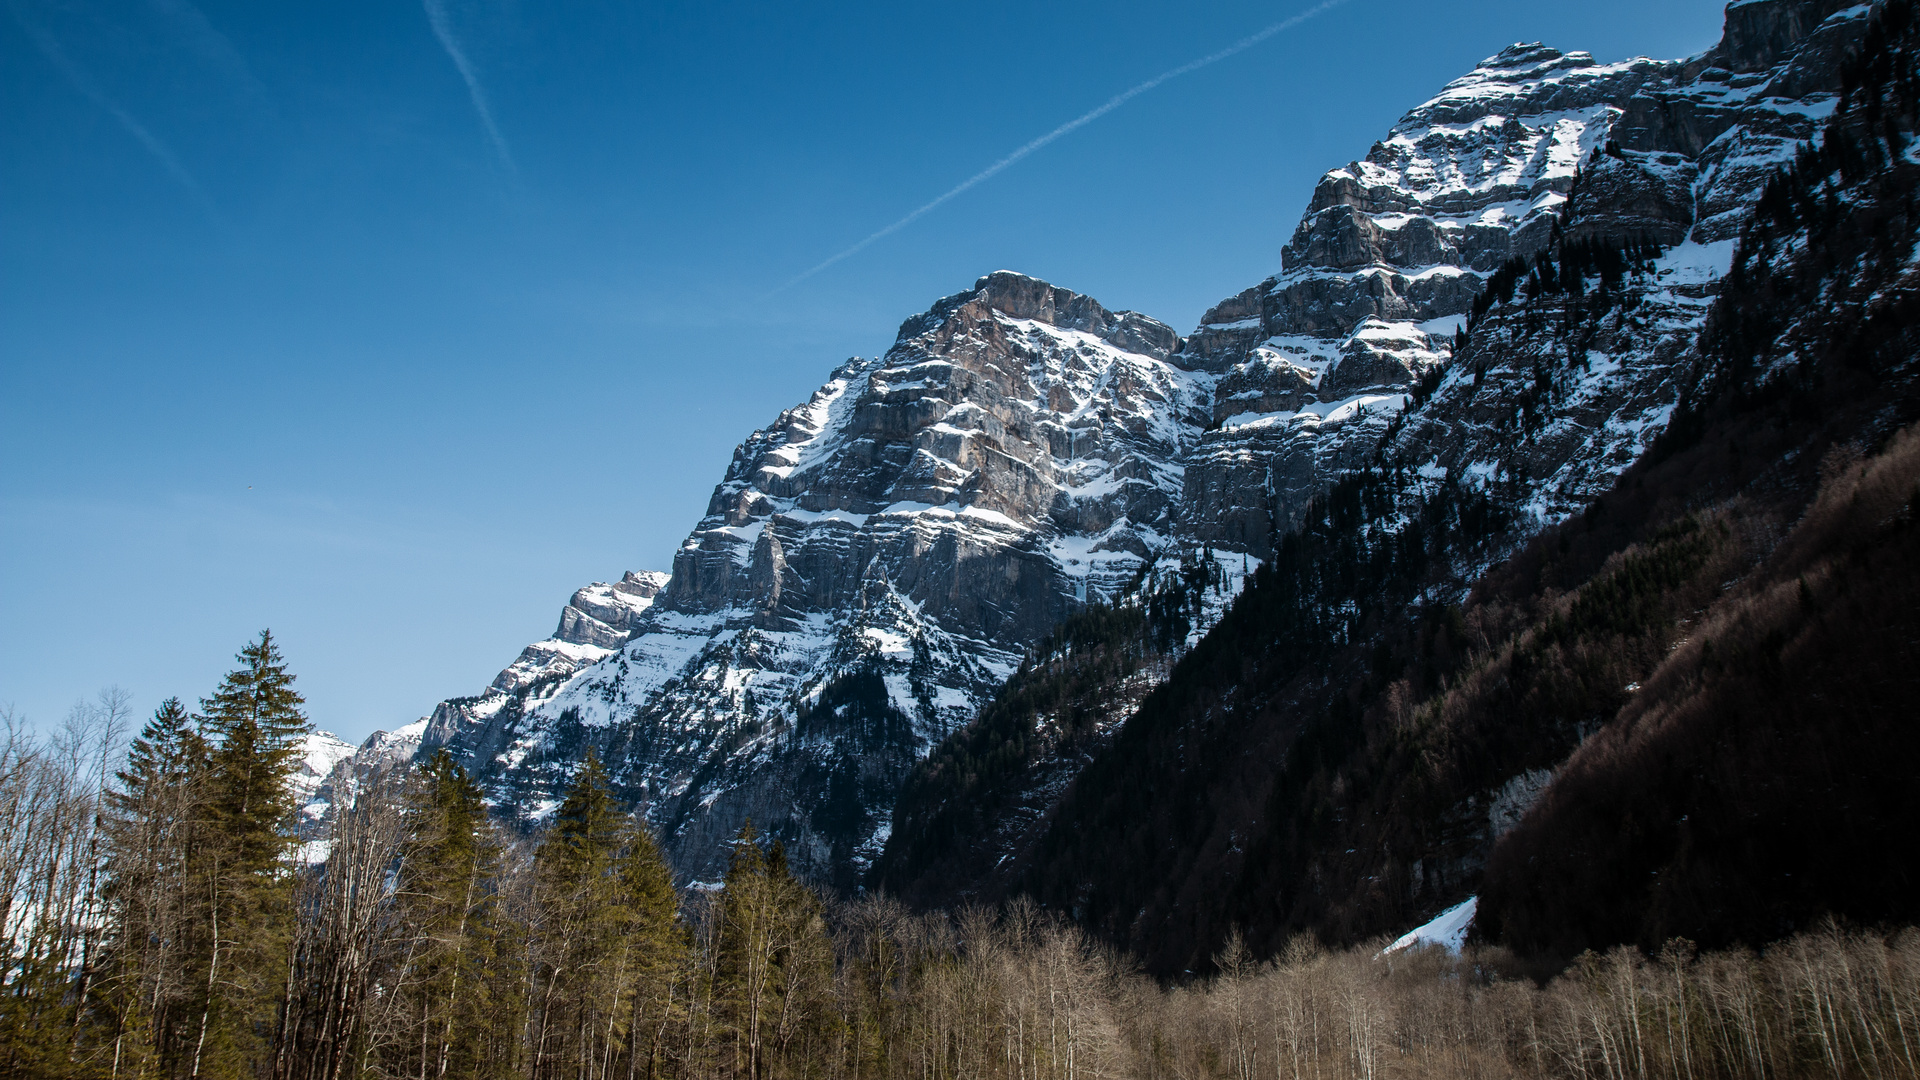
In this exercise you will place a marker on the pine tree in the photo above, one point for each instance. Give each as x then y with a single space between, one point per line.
242 873
256 721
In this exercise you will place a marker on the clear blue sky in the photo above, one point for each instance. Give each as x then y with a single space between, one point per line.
290 339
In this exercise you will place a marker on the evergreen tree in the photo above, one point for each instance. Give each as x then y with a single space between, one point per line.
773 977
151 820
610 949
242 871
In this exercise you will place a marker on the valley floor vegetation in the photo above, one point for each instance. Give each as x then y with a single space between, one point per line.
165 919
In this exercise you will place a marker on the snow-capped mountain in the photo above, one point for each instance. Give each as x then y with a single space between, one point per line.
877 560
319 754
1583 219
1393 250
920 521
595 622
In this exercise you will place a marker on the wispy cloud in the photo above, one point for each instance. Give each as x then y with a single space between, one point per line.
443 29
1071 126
49 47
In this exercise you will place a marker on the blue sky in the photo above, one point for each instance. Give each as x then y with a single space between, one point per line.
300 328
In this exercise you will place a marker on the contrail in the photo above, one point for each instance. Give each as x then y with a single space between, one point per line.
1073 125
81 81
443 29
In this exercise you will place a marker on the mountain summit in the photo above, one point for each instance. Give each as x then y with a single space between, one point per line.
871 567
880 560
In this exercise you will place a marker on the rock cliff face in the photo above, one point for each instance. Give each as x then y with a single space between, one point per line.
1531 146
872 565
596 621
878 559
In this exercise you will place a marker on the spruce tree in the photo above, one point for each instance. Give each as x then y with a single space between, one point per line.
243 873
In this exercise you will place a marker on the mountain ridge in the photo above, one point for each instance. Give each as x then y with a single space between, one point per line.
881 560
1219 801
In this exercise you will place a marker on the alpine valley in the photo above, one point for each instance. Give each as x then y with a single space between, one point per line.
1541 533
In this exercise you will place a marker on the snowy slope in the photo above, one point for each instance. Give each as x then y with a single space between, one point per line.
318 755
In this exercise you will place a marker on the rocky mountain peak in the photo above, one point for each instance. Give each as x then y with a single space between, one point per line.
1531 58
1022 297
892 545
1522 64
877 560
1483 172
597 620
603 614
1393 250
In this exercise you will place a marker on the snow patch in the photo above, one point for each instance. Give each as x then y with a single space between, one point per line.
1447 929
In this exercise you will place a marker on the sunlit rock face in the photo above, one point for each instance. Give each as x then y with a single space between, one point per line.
1018 424
1531 146
873 563
596 621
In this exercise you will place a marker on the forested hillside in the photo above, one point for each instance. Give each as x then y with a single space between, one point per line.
1757 777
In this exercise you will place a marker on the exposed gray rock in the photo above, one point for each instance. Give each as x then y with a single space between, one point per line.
1379 356
596 620
1762 34
1649 196
876 560
1267 382
1392 250
883 553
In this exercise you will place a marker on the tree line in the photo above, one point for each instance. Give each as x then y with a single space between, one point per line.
164 919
